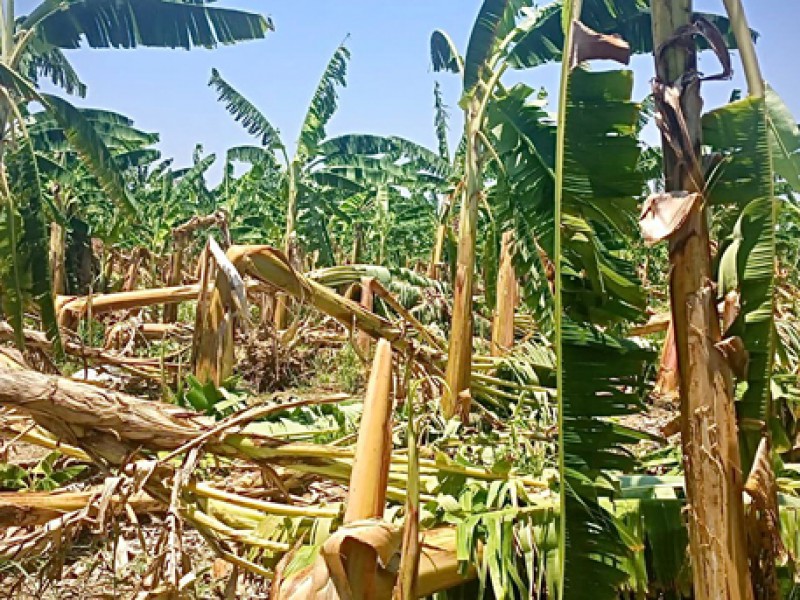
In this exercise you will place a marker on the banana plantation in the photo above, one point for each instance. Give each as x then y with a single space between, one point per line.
558 359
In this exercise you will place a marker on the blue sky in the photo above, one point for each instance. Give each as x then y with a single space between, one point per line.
390 83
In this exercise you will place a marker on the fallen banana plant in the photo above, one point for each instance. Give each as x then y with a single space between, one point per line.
142 366
145 439
361 559
74 307
270 266
38 508
407 336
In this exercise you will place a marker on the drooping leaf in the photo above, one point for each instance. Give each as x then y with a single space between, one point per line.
90 147
43 60
115 131
759 140
244 112
394 154
356 143
136 158
251 154
444 54
323 103
132 23
483 39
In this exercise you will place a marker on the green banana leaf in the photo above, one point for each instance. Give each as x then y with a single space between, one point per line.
759 141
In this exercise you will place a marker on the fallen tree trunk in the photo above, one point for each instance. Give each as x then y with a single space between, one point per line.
109 425
78 306
112 426
271 266
38 340
37 508
69 307
157 331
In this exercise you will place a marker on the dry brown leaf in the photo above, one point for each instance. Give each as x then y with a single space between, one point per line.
735 354
326 579
664 213
730 308
220 568
590 45
684 37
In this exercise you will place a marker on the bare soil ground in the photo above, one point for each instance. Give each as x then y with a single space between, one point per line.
114 566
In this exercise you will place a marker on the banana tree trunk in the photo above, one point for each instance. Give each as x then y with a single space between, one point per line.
382 200
37 508
58 247
132 274
709 439
173 280
370 475
363 340
290 248
507 296
72 306
213 351
434 269
358 242
8 30
456 399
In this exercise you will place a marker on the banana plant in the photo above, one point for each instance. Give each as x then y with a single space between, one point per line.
253 201
514 34
707 362
599 376
312 131
758 141
73 196
168 197
444 201
322 171
594 543
32 46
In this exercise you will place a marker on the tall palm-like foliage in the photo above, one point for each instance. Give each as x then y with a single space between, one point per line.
324 173
572 191
312 132
297 168
32 46
514 34
73 196
598 376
